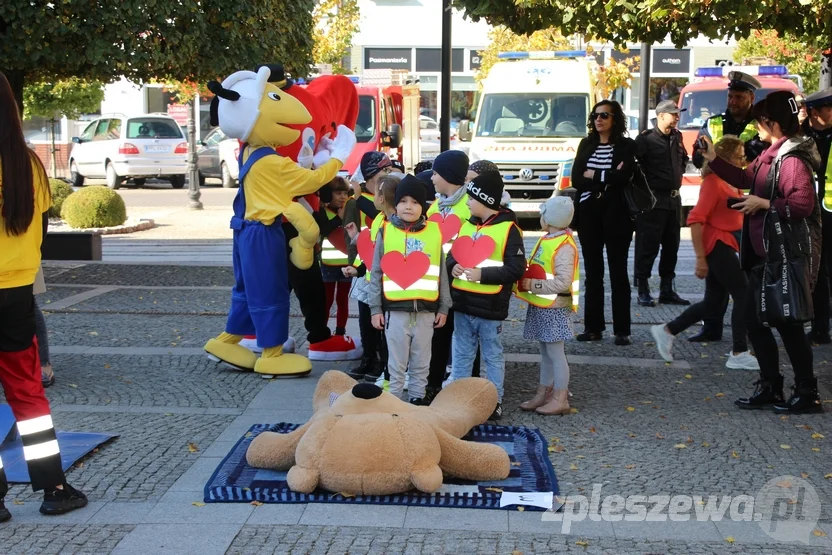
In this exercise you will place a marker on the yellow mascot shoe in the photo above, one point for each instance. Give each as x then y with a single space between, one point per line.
231 354
300 256
283 366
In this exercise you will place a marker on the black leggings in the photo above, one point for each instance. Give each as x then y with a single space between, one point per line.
765 347
724 275
372 340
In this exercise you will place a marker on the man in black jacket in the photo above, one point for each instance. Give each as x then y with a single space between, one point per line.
663 159
819 126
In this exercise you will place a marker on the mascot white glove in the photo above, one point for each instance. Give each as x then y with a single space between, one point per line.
322 153
343 144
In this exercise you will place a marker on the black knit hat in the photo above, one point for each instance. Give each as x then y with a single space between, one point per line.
481 166
487 188
452 166
411 186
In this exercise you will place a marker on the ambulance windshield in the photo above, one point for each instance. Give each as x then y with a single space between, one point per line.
533 115
702 104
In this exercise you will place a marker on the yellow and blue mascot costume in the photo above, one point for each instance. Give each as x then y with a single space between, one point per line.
255 108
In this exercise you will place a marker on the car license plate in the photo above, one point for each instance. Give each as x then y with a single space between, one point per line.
156 148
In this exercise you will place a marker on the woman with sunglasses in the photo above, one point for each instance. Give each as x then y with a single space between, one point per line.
603 166
24 201
794 199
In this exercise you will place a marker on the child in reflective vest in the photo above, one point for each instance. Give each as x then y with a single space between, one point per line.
408 289
550 286
486 260
334 253
374 361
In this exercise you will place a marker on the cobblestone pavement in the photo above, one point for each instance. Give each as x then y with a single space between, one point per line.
640 428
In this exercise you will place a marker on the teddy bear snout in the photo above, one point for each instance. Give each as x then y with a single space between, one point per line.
366 391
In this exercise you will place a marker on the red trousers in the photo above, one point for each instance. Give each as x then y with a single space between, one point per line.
338 292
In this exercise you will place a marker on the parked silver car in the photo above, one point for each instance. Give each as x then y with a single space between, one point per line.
120 147
217 156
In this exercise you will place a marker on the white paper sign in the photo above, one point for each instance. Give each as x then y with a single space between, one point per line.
542 499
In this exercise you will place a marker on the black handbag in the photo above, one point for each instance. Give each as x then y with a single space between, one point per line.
782 283
637 192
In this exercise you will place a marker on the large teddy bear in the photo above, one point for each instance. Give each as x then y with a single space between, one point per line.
256 108
362 440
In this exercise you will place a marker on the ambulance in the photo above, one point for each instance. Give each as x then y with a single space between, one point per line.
707 95
531 116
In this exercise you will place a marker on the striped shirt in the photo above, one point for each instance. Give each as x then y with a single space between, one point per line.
600 161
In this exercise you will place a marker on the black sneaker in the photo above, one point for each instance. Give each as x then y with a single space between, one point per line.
366 366
60 501
623 340
498 412
419 402
5 515
589 336
430 394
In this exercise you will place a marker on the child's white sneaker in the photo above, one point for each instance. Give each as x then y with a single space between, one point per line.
742 361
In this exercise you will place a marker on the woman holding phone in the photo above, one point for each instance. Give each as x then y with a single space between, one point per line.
714 228
793 197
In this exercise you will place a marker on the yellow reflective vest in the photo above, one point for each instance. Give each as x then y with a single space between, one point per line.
499 233
330 255
375 225
544 254
366 221
427 240
460 210
716 129
827 187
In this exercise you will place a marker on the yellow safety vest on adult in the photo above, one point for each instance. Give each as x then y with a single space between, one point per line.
716 129
542 266
426 286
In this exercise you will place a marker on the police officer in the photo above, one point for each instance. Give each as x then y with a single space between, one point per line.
818 125
737 121
663 159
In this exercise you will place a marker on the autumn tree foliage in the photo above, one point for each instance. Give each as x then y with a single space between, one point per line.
786 49
335 22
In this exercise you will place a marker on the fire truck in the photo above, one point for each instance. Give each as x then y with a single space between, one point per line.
388 117
707 95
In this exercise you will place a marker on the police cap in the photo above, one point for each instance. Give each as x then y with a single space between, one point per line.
819 99
740 81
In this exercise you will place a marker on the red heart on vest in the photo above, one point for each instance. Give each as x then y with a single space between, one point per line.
366 247
403 270
534 271
449 225
469 253
338 241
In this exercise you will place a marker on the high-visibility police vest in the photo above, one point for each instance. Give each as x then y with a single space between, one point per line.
827 187
460 209
331 256
544 254
375 225
716 129
366 221
426 288
499 233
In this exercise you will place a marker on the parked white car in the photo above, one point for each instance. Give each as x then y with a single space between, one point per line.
120 147
217 156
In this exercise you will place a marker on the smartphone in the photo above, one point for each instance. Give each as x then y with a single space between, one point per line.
733 201
702 144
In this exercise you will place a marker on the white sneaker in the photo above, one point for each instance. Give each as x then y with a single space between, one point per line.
742 361
664 341
251 345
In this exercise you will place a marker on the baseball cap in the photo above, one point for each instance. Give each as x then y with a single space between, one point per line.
669 107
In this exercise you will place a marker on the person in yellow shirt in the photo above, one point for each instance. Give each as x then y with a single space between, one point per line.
24 201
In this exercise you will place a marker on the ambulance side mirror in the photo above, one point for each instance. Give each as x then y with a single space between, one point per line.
466 130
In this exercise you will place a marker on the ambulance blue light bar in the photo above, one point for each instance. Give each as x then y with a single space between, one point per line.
355 79
764 71
542 55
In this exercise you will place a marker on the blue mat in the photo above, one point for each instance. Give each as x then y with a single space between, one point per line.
74 445
235 481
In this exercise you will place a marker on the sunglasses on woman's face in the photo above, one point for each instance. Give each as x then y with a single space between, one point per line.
602 115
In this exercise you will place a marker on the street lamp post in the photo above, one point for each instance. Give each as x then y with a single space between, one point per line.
193 174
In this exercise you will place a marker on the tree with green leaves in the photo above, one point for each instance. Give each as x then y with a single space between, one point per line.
335 22
799 57
187 40
651 21
68 97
